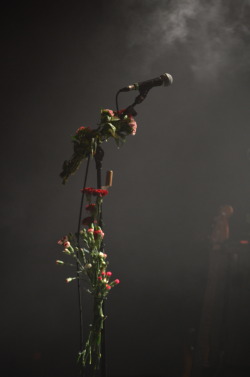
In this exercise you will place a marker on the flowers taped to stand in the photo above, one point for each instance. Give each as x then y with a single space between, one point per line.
92 264
114 125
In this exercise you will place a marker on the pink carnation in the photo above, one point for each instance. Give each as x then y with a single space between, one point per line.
109 273
116 281
64 239
86 129
80 129
133 126
108 287
110 112
98 232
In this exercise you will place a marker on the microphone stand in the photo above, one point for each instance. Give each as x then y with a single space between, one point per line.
99 155
130 109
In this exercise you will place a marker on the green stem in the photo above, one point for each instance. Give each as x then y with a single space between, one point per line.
91 355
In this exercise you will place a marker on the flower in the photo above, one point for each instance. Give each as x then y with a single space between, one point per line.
85 129
59 262
68 280
116 125
67 251
100 192
133 126
110 112
108 287
95 192
98 233
90 230
87 190
64 239
66 244
109 273
116 281
80 129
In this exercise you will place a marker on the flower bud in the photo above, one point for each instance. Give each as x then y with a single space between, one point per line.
108 287
98 233
109 273
59 262
68 280
66 251
116 281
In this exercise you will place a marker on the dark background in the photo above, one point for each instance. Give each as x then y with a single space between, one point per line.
61 63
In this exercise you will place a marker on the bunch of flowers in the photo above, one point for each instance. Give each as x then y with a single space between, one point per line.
113 124
92 265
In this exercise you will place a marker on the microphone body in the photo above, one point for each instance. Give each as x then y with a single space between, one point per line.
165 80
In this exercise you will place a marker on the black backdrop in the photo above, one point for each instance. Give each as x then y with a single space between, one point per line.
62 62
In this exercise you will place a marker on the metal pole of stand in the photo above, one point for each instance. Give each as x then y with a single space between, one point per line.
99 155
79 290
98 160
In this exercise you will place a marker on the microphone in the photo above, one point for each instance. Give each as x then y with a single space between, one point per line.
165 80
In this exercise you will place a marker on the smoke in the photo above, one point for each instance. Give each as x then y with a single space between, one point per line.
214 34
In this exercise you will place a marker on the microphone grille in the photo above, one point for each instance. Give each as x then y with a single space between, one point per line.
167 79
